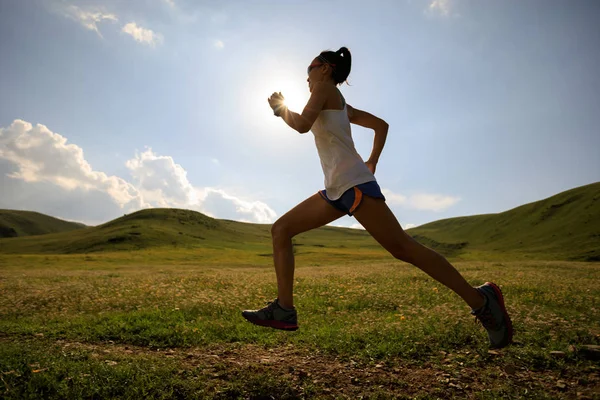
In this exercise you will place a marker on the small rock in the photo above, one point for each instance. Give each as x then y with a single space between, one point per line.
561 385
558 354
379 366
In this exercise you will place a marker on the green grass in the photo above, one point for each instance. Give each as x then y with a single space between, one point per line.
15 223
104 328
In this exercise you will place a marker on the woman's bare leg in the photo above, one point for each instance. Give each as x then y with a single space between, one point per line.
375 216
310 214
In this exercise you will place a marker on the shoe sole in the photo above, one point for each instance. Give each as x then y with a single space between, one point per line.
504 312
272 324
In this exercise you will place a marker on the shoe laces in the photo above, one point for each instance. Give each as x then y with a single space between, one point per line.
271 306
486 318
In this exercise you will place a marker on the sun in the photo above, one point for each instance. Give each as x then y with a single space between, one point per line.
295 94
255 92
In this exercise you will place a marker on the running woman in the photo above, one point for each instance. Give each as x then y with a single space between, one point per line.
351 188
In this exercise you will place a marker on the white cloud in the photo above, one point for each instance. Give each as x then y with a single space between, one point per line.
408 226
421 201
394 198
162 182
92 207
433 202
40 171
43 156
356 226
88 18
441 8
216 202
142 35
170 2
219 44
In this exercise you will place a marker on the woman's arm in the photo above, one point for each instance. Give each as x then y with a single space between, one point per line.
303 122
378 125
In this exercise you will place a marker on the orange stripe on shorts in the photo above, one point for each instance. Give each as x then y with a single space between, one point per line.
357 199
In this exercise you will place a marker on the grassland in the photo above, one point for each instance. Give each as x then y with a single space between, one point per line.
168 325
148 306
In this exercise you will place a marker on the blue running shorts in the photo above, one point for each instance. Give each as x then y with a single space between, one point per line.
352 197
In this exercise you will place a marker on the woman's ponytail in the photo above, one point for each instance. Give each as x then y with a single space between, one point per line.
342 61
343 66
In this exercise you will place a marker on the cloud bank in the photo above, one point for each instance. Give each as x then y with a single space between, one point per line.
41 171
421 201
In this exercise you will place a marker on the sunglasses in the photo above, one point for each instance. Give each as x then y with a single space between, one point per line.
312 66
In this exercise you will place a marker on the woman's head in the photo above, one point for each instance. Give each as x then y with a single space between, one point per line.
330 65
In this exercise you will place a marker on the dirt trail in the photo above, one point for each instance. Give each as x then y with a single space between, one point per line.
328 376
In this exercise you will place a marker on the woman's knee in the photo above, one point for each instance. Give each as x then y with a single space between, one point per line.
406 250
280 230
403 254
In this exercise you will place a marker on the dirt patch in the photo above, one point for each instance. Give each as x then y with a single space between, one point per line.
312 373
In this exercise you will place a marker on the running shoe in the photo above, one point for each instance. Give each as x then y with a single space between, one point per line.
493 316
274 316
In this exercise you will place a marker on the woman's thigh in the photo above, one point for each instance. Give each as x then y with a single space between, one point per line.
312 213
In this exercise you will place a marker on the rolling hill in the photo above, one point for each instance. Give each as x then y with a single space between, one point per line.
15 223
169 227
565 226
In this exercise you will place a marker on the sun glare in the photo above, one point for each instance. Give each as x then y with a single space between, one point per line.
254 95
295 94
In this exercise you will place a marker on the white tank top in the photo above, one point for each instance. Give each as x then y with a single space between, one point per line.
342 166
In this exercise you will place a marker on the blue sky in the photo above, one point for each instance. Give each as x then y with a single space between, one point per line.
107 107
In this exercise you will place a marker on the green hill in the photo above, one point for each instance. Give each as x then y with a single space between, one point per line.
168 227
564 226
15 223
